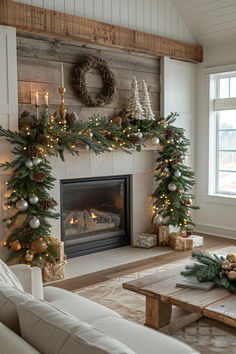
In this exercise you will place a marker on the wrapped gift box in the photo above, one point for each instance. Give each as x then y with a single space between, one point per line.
179 243
54 271
163 235
197 240
59 247
145 240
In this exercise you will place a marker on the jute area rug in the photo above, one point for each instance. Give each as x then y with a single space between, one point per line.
205 335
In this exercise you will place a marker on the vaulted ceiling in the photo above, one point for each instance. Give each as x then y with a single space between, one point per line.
209 20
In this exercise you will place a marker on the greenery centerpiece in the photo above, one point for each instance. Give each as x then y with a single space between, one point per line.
211 267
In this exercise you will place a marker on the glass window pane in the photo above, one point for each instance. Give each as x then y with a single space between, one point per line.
224 88
227 182
227 119
227 140
233 87
227 161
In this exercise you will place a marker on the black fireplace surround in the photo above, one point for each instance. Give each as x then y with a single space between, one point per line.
95 214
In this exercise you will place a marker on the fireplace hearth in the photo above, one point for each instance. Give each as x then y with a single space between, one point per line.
95 214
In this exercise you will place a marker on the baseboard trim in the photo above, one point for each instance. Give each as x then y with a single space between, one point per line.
216 231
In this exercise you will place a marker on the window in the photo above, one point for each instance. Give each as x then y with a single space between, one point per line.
224 116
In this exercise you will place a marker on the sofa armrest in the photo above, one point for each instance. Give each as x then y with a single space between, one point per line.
30 279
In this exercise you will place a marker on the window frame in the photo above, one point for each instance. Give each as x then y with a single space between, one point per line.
215 141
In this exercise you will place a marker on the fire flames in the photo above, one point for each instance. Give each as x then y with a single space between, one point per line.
74 221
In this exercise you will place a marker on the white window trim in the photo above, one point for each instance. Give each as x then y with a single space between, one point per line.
215 105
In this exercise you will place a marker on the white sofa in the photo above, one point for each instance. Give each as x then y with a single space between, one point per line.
50 320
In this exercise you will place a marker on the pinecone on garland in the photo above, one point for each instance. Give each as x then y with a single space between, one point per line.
45 203
134 139
169 133
39 176
32 151
109 136
42 139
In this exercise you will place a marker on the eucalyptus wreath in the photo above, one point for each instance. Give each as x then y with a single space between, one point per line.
105 96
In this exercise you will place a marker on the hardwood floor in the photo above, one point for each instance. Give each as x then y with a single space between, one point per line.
211 243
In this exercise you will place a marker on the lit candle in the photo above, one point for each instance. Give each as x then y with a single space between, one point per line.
62 77
46 98
37 98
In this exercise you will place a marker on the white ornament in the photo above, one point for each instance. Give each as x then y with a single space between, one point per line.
134 108
155 140
180 140
172 187
34 223
8 222
33 199
29 163
14 199
177 173
22 205
87 147
158 219
146 104
139 135
36 160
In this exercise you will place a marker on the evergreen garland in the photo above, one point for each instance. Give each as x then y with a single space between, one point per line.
173 197
209 267
47 137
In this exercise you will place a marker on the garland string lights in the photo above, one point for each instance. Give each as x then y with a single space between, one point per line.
29 202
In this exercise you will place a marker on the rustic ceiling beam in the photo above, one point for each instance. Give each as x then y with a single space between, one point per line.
56 24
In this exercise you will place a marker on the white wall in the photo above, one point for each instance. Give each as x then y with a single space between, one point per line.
217 214
151 16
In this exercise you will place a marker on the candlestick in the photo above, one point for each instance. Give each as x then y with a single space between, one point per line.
46 99
37 105
36 98
62 77
62 108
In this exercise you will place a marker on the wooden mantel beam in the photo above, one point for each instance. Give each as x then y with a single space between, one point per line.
56 24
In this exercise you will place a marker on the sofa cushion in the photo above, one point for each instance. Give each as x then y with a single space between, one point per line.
140 339
11 343
52 331
78 306
10 297
7 276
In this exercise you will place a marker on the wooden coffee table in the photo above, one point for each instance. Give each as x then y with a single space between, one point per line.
161 294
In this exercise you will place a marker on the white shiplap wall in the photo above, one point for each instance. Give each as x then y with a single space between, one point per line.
151 16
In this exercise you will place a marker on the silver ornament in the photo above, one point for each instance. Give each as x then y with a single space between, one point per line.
139 135
36 160
14 199
75 117
8 222
34 223
87 147
22 205
29 163
158 220
155 140
177 173
172 187
33 199
180 140
166 220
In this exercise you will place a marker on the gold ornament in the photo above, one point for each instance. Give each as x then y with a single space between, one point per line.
164 123
231 275
180 190
15 245
29 256
39 245
231 257
226 265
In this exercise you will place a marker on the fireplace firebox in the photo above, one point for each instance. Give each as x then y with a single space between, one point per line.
95 214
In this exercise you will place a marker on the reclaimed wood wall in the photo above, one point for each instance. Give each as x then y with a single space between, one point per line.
38 62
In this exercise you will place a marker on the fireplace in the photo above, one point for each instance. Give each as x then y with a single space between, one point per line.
95 214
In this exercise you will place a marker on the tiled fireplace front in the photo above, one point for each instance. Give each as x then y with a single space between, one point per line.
138 165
